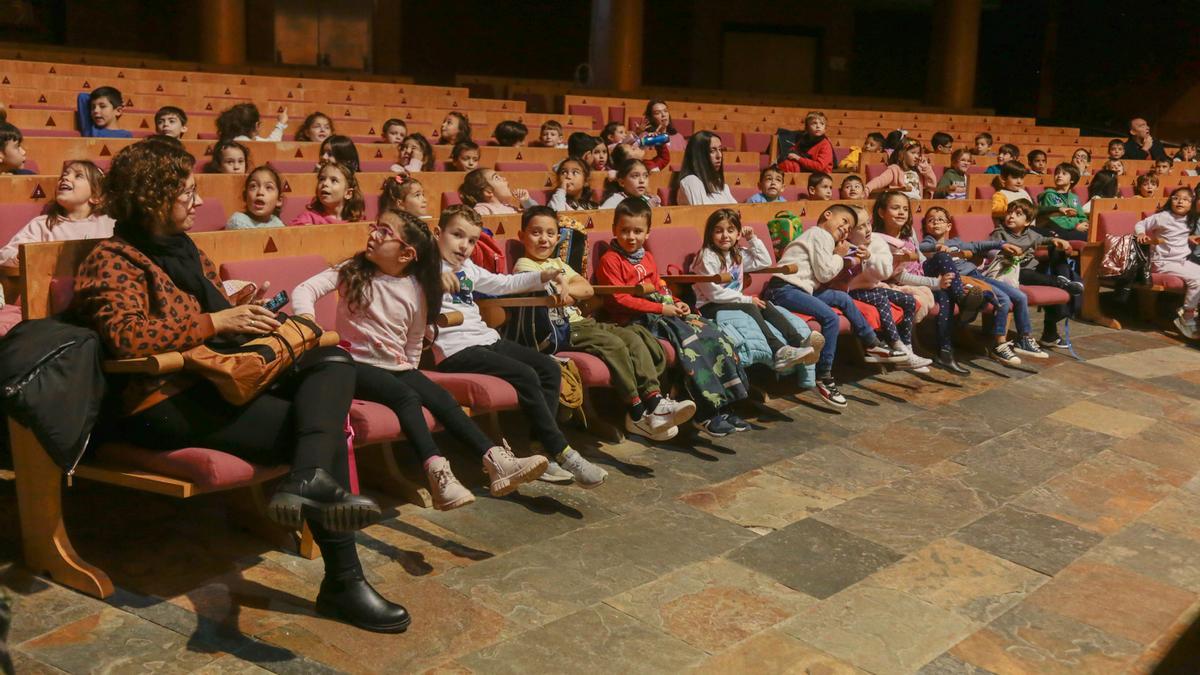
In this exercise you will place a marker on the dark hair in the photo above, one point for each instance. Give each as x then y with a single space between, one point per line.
352 208
586 200
394 190
620 154
274 176
111 93
1116 141
171 110
1035 153
144 181
239 120
1085 151
696 163
1193 215
461 147
426 150
904 146
985 136
878 138
342 149
1145 179
839 207
95 179
1183 146
355 275
1010 149
623 171
532 212
1072 171
608 130
762 174
1012 169
650 123
815 178
460 211
473 185
508 133
1103 185
941 138
894 140
957 154
1024 206
393 122
214 164
302 133
851 177
579 144
632 207
880 204
716 218
8 132
464 128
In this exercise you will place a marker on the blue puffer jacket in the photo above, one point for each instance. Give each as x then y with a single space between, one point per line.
752 347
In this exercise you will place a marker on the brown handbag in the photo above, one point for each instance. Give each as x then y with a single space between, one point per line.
242 372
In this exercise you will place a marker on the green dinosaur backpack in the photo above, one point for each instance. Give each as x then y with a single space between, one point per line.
784 227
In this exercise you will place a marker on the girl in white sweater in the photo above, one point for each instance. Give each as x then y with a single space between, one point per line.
1171 232
385 296
75 214
702 175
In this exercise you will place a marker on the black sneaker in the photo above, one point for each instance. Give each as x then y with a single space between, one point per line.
969 306
829 391
715 426
737 423
1003 353
1069 285
1026 346
1054 342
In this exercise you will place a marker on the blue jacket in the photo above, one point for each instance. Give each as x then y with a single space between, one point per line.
751 346
965 267
83 114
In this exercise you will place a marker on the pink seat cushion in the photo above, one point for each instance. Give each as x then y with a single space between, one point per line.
10 316
376 423
285 274
208 469
480 393
1168 281
1045 295
668 351
592 369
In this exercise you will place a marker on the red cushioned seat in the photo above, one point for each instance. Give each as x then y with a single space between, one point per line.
285 274
1045 295
376 165
10 316
984 192
208 469
973 226
210 216
668 351
480 393
592 111
759 142
592 369
376 423
1169 282
13 217
1119 223
742 192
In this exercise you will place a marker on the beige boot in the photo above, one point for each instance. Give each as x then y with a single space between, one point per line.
448 493
507 471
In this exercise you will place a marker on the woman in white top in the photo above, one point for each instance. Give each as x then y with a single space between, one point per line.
701 179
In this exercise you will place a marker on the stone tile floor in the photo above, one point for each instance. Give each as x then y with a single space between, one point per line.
1010 522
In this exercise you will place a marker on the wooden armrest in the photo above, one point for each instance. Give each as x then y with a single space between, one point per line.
159 364
448 319
789 268
722 278
534 301
640 289
9 271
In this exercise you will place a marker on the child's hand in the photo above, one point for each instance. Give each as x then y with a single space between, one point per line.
842 248
670 310
1143 239
1061 244
1194 240
945 280
923 164
793 156
1012 249
551 275
759 303
520 194
941 248
450 283
748 233
282 118
1082 227
1068 211
682 308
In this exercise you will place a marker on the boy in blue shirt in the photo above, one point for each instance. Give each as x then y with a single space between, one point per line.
1007 153
770 186
99 113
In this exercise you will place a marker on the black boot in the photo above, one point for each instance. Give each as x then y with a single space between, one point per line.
969 306
355 602
945 360
316 494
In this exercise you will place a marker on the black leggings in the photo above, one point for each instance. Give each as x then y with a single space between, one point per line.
536 377
406 392
765 317
300 420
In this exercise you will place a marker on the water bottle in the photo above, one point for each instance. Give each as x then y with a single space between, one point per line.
653 140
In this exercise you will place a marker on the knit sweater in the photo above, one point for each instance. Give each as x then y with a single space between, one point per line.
387 333
242 221
816 263
1171 231
615 269
473 331
1028 240
1052 202
874 270
755 256
36 230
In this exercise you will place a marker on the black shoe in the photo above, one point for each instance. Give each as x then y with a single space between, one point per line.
1068 285
356 603
316 494
969 306
946 361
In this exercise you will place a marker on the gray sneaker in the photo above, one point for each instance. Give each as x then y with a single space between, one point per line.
586 473
555 474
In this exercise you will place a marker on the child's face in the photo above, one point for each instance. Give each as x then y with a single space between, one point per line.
1148 188
468 160
73 189
1181 202
1189 153
1062 180
570 178
1038 163
854 189
1003 156
636 181
965 161
411 150
104 114
945 148
600 158
395 134
551 138
872 145
1116 151
771 184
1015 221
262 196
540 237
725 235
635 152
938 225
618 135
895 214
716 154
911 155
457 240
1080 159
659 114
13 157
498 184
234 161
822 190
332 189
837 223
815 126
170 125
327 154
1162 168
1012 182
1115 165
982 146
415 202
631 233
385 247
320 129
450 129
860 235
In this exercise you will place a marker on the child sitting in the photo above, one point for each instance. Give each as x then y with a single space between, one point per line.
229 157
403 194
551 135
633 180
1146 185
316 128
721 253
75 214
713 376
464 156
241 122
455 128
1082 160
1037 162
820 186
574 192
12 149
1005 298
953 184
580 146
770 187
1162 167
1007 153
341 149
942 143
820 254
613 134
387 295
1116 166
170 121
394 131
1187 152
908 171
853 159
416 154
634 358
1059 207
983 145
510 134
488 193
338 199
813 151
600 159
1054 272
99 113
853 187
473 347
624 151
1012 188
263 201
1170 232
1116 148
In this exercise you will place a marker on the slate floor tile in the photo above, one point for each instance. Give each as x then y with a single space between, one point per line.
1033 540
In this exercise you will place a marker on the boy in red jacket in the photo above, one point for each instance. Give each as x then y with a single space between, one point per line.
813 150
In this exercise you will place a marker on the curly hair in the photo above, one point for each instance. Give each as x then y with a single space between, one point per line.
355 275
144 181
239 120
473 186
353 205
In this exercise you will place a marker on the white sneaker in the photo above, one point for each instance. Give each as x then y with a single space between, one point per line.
556 474
678 411
1188 328
882 354
653 426
788 357
915 362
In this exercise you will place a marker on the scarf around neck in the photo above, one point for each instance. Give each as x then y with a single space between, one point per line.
178 256
634 258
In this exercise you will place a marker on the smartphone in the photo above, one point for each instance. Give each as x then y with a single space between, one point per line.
276 303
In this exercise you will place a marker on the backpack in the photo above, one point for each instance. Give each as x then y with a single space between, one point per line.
784 227
489 255
1124 262
545 329
572 243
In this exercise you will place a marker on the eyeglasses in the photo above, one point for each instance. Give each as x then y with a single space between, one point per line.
937 219
188 196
